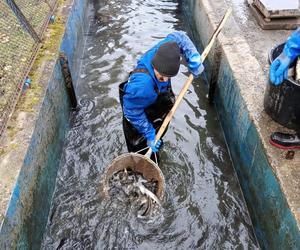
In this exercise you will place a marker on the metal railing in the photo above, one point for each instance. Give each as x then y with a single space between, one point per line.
22 25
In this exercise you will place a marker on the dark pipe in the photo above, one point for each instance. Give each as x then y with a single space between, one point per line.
68 79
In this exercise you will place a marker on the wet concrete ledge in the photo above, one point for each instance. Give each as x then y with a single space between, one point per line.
270 183
27 212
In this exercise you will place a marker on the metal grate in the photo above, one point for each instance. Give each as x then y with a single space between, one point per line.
22 24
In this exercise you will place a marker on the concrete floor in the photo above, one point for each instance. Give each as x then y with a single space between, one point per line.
253 45
260 42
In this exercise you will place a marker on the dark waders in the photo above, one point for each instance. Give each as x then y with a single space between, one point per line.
155 114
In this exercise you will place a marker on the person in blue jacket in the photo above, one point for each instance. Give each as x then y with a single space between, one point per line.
279 72
147 96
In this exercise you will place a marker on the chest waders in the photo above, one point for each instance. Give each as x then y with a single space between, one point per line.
155 113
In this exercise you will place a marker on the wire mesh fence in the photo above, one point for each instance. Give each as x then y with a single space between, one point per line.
22 24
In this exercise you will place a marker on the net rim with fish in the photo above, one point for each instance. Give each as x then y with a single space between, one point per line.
138 163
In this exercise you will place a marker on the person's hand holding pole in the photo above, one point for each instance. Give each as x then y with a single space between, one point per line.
195 65
154 145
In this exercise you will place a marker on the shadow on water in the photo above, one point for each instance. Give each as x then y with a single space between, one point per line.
203 206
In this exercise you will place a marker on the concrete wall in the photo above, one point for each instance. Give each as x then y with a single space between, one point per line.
235 71
27 213
274 224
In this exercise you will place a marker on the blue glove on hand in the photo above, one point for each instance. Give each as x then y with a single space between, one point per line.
195 65
279 69
154 146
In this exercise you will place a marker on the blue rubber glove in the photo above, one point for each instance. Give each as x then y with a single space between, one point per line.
195 65
154 146
279 69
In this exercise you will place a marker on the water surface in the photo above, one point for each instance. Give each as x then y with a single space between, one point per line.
203 206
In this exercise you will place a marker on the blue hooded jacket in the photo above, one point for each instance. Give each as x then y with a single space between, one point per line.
140 90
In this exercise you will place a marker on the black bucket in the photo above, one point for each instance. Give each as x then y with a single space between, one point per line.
282 102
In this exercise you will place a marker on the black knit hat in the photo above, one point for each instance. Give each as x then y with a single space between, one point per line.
167 59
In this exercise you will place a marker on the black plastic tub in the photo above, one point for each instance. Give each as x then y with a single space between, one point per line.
282 102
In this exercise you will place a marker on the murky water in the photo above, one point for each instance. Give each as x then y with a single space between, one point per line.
203 206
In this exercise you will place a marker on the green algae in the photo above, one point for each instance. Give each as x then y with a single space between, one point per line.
12 131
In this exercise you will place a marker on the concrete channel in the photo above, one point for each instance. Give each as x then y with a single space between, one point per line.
239 68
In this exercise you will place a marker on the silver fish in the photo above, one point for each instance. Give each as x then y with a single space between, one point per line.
147 192
145 206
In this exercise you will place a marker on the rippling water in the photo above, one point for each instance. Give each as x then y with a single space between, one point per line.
203 206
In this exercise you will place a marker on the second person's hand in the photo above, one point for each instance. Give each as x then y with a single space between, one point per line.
279 69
